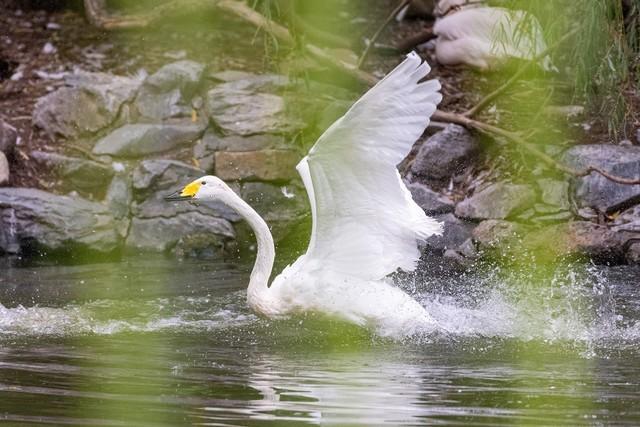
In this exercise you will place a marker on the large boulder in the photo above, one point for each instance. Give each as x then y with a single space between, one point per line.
238 107
137 140
554 193
455 232
205 149
275 203
497 201
445 154
89 102
579 238
8 137
36 221
180 227
594 190
263 165
496 234
161 234
431 202
167 92
154 179
74 174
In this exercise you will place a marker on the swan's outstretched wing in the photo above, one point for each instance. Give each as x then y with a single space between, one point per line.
365 222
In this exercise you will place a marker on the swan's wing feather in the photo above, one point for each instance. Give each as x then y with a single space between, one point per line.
365 222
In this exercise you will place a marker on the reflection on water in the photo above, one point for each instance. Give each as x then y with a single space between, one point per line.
157 342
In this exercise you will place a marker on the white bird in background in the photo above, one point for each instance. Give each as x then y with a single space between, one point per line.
365 223
470 32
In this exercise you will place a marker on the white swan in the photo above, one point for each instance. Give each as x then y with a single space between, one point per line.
365 224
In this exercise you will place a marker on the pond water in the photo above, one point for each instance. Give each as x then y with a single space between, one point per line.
151 341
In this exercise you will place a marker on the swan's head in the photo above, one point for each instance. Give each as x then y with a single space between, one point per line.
208 187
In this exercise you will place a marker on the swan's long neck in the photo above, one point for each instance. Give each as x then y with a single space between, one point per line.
258 289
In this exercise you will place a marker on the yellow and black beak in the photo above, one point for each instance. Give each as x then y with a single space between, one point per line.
187 193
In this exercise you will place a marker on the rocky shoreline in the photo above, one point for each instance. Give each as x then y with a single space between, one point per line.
142 137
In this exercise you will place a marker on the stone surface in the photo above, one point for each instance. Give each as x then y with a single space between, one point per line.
579 238
167 92
162 234
36 221
136 140
237 108
494 234
118 200
628 220
445 154
90 102
154 179
497 201
4 169
264 165
430 201
554 193
74 174
8 137
184 75
597 191
204 151
275 203
456 231
633 253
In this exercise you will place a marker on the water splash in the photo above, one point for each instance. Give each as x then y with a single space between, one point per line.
580 306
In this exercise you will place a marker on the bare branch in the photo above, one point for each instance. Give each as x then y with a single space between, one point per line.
373 40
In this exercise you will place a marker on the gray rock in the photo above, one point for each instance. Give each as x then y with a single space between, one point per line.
456 232
184 75
4 169
136 140
230 75
554 193
167 92
253 82
263 165
497 201
163 234
238 109
161 105
34 220
633 253
430 201
8 137
202 246
118 200
579 238
597 191
154 179
628 220
89 103
84 176
275 203
495 234
445 154
204 151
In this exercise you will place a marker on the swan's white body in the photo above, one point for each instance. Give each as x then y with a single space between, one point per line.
483 36
365 223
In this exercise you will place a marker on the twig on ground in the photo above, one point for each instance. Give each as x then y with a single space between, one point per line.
375 36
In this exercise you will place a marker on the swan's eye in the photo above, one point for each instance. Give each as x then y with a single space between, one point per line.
204 183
